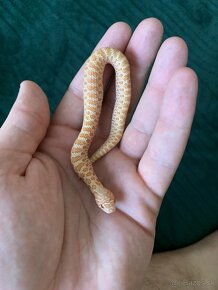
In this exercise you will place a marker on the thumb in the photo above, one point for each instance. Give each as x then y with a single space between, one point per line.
24 128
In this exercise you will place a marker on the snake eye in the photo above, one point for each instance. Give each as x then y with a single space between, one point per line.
101 206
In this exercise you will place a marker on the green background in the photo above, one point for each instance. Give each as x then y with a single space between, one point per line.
47 41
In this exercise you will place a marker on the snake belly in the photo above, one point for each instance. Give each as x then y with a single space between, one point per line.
93 97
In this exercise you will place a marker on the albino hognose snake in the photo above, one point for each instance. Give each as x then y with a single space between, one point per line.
93 96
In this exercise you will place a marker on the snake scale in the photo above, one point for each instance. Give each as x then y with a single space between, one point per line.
93 97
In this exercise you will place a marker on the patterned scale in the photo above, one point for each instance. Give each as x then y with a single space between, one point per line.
93 97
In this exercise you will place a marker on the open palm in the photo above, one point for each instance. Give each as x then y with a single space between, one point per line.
52 234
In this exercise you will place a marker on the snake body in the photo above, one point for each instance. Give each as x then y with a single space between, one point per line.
93 96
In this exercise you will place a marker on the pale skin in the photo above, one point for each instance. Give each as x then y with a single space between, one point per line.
192 267
52 234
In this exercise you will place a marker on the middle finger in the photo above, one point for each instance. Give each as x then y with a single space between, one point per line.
171 56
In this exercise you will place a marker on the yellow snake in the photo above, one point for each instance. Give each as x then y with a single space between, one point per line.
93 96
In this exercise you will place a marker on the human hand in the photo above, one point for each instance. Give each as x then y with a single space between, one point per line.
52 234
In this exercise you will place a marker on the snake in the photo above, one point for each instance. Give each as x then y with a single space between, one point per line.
92 99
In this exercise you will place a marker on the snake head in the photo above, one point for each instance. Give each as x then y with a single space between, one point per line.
105 200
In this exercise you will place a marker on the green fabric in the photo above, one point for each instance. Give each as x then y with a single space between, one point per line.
47 41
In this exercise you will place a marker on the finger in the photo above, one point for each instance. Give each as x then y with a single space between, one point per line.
167 144
140 52
172 55
24 128
70 110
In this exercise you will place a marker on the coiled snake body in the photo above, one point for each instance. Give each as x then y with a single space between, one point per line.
93 96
